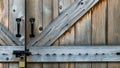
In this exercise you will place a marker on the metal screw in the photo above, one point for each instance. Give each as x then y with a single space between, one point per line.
47 54
70 54
86 54
63 54
54 54
79 54
7 58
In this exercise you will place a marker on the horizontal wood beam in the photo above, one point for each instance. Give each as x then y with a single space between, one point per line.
8 37
6 53
71 53
75 54
63 22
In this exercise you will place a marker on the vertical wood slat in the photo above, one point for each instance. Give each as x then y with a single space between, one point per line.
68 37
30 9
50 12
113 26
4 21
99 28
34 10
17 10
83 35
3 16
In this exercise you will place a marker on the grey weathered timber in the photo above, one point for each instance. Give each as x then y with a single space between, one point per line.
6 53
63 22
8 37
75 54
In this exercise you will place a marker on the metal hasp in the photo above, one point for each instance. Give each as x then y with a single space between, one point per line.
75 54
7 55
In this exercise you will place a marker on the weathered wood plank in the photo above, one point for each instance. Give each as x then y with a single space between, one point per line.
17 10
30 9
64 21
99 28
34 9
8 37
83 35
4 12
4 21
113 26
50 11
83 30
35 65
99 23
83 65
68 37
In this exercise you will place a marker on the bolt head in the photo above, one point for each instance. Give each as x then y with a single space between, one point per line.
32 20
18 19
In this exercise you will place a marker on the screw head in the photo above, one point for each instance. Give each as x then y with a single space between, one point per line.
18 19
32 20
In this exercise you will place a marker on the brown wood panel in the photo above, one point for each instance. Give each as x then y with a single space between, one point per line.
99 28
3 16
30 13
68 37
34 9
50 12
113 26
83 35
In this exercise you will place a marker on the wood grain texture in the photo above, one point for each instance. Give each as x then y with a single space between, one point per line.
83 65
3 16
113 26
50 12
99 28
68 18
8 38
113 22
83 35
34 65
47 12
30 9
83 30
68 36
17 10
99 23
4 21
34 9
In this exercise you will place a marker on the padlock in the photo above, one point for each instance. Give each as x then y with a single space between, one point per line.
22 64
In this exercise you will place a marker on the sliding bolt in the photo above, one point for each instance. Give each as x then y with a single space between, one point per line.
18 20
32 21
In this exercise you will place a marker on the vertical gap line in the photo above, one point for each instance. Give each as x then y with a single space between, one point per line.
106 24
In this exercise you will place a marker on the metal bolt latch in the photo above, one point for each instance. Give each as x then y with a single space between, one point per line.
18 20
32 21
